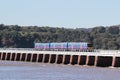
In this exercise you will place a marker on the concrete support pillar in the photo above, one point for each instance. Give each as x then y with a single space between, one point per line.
43 58
117 62
49 58
71 57
63 59
37 57
78 60
113 61
87 60
15 56
20 56
10 56
1 55
31 57
56 59
26 57
23 57
6 56
95 62
34 57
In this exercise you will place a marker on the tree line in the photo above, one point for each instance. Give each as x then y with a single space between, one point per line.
14 36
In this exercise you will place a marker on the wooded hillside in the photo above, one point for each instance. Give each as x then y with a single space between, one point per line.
25 36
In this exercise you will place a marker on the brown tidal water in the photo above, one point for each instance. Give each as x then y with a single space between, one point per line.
42 71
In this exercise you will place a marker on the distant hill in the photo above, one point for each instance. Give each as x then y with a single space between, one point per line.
25 36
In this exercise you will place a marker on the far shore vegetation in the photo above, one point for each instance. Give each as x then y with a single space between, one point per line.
14 36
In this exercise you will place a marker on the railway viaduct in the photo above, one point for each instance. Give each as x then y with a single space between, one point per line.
100 58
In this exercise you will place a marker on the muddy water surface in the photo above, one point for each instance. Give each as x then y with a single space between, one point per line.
40 71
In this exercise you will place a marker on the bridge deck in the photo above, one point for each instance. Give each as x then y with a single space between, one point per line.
115 53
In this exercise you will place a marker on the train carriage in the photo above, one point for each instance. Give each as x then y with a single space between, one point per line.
58 46
77 46
42 46
64 46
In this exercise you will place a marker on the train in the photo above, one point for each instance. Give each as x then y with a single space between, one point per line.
64 46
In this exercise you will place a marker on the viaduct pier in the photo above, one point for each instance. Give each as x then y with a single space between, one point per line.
100 58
